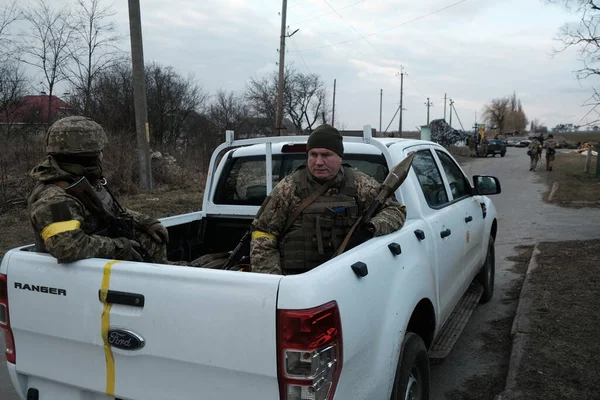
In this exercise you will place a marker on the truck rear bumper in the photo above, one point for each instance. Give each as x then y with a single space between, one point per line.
49 390
14 377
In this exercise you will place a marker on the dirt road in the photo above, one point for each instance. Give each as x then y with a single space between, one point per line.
479 361
477 365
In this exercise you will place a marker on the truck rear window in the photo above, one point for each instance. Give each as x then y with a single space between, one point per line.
243 179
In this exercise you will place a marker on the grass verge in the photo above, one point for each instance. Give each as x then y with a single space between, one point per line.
575 188
560 356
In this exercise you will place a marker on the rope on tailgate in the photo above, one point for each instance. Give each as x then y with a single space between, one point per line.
105 325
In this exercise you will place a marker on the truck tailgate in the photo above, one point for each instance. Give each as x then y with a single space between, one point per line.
207 334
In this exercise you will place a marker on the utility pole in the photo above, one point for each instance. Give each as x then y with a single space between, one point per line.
428 104
380 107
445 106
279 112
333 112
401 95
139 95
451 104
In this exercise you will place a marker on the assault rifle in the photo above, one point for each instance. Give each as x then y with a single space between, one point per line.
120 225
391 183
239 258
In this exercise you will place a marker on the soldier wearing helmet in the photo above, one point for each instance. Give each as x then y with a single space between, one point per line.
65 225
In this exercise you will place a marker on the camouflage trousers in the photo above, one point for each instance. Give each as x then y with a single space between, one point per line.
534 160
158 251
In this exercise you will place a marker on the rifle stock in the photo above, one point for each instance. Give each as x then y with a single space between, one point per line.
391 183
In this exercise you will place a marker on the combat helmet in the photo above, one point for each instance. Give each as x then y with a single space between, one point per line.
75 135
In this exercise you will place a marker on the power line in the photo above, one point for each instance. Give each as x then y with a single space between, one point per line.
387 29
351 26
300 54
327 13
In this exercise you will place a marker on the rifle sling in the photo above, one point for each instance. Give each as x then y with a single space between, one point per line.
305 203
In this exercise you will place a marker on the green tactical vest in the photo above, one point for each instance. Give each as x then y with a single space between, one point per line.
321 227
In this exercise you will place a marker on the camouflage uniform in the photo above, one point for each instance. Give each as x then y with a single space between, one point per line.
268 239
550 145
62 224
484 146
535 148
472 146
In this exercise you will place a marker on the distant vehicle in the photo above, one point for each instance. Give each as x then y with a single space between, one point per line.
523 143
496 146
512 143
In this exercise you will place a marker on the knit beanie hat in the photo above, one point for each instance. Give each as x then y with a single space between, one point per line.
327 137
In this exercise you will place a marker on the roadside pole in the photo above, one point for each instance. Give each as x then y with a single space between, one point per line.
139 95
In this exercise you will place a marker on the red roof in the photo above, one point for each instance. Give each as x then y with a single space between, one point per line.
35 109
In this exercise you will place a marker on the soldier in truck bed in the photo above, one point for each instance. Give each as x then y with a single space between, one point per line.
287 241
65 225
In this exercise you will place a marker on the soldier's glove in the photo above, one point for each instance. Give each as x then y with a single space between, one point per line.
361 235
158 233
127 249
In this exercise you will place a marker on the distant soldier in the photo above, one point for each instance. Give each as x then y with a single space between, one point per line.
484 145
472 146
550 145
534 152
73 214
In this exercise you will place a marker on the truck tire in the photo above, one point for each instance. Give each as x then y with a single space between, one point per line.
488 270
412 373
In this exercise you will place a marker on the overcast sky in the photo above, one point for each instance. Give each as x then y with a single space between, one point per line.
474 50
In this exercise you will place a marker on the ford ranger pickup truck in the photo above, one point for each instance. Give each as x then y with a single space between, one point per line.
363 325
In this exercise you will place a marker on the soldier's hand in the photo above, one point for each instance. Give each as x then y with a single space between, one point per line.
158 233
127 250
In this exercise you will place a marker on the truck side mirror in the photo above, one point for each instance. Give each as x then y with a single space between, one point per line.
486 185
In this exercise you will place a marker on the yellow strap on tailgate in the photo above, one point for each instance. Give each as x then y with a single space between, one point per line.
105 325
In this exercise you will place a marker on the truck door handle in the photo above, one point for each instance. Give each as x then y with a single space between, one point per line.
124 298
445 233
468 219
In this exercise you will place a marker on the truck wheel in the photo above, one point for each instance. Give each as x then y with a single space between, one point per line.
502 154
412 373
486 275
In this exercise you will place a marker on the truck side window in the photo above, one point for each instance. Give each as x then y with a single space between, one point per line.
430 179
459 185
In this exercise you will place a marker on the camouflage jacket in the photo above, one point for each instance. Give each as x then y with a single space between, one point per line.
279 205
64 227
550 144
535 147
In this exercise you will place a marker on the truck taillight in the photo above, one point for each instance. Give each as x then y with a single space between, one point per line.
309 352
5 320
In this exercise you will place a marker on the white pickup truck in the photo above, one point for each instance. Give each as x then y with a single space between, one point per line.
363 325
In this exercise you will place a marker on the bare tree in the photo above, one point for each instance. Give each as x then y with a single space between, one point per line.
45 45
12 89
497 112
304 98
229 112
535 125
94 48
261 94
9 14
585 37
171 100
506 114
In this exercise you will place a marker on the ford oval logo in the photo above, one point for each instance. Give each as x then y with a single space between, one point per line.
125 339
